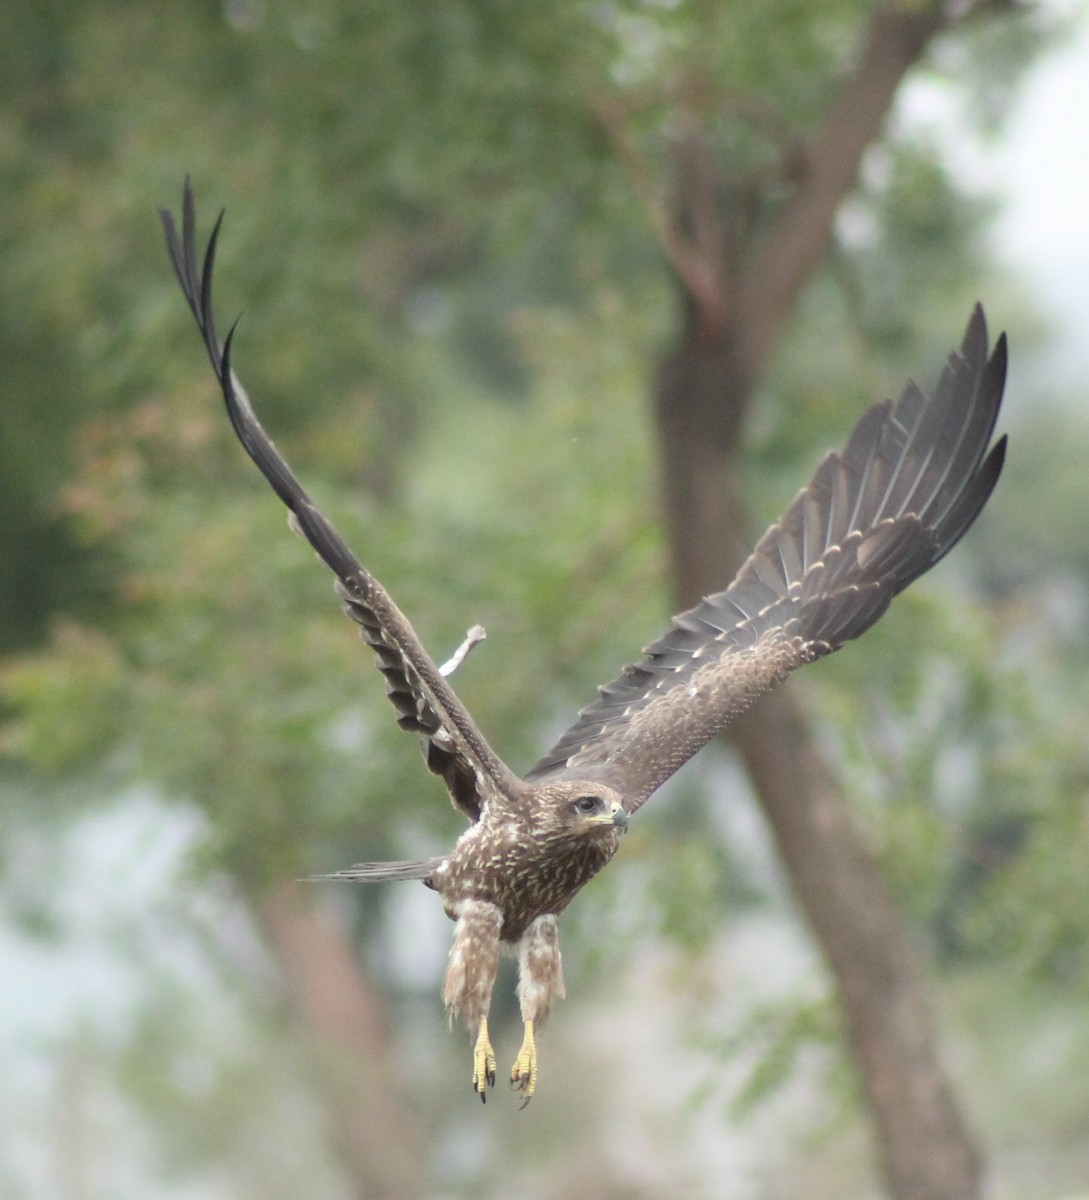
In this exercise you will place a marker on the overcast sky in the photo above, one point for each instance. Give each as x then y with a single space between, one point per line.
1040 164
1043 164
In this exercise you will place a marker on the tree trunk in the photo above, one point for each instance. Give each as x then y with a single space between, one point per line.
734 312
341 1014
924 1148
926 1152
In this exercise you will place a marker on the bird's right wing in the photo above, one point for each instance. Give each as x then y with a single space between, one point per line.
426 704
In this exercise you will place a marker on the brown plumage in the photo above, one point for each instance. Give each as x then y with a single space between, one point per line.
911 480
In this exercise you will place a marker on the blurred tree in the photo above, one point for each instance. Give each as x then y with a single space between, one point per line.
742 256
453 220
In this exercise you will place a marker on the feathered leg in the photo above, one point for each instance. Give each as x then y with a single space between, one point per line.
470 978
540 982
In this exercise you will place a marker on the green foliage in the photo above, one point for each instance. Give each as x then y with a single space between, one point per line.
772 1040
969 762
229 675
453 301
219 1109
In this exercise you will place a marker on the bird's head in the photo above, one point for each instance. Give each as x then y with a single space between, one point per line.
581 808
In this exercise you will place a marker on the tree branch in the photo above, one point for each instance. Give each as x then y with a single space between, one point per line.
768 287
696 272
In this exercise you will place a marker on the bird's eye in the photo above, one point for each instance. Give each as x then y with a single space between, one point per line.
587 804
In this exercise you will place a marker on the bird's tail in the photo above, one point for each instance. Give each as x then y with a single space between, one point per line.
420 868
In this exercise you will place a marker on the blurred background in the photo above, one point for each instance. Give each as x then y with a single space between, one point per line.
476 246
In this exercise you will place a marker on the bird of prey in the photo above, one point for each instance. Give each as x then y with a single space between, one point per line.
912 478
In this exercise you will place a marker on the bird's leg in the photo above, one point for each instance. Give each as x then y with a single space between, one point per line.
470 977
523 1075
540 981
483 1060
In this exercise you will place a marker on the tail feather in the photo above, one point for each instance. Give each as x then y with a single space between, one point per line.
378 872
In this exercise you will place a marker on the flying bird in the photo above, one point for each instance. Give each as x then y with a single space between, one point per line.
910 481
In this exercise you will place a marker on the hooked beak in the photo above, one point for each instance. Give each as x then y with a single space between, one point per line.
620 818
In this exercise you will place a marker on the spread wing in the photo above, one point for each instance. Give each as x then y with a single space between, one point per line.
453 746
910 481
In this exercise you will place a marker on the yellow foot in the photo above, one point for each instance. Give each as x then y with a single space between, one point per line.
483 1062
523 1075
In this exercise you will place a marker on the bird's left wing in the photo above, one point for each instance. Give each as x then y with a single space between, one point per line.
910 481
425 703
